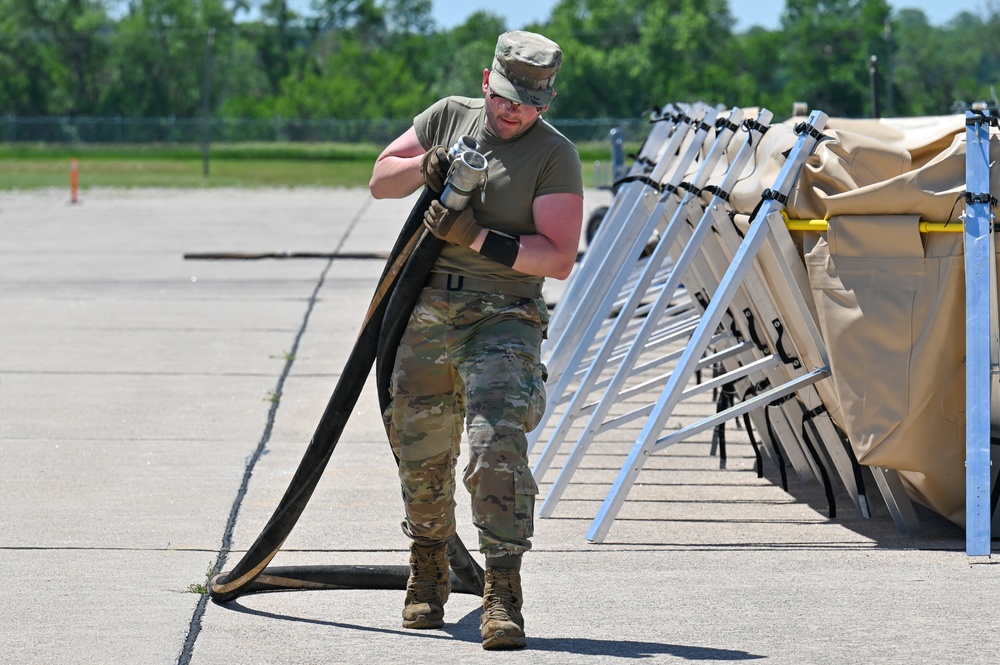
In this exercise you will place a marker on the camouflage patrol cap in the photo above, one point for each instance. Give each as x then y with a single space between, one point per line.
524 67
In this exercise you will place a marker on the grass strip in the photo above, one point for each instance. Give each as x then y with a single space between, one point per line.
245 165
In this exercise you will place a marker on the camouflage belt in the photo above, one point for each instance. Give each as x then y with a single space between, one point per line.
440 280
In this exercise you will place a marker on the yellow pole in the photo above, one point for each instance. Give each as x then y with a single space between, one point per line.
823 225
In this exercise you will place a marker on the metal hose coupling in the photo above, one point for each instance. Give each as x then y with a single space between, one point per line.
466 173
463 144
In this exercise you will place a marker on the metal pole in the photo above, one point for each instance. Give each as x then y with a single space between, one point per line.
980 271
206 106
890 106
873 76
617 155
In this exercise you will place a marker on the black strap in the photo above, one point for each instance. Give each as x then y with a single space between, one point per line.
979 117
775 195
785 357
751 124
727 398
754 335
859 479
827 485
806 128
715 190
981 198
644 179
777 445
758 459
756 389
687 186
726 123
734 329
702 298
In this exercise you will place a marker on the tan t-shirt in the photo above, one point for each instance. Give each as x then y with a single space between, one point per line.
541 161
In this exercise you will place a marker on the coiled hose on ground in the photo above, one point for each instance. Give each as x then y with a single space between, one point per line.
399 287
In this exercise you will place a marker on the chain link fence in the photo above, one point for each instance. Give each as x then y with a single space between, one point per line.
70 130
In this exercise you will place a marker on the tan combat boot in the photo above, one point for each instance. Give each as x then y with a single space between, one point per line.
502 624
428 587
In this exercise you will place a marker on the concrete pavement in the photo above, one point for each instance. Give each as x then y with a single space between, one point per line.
153 409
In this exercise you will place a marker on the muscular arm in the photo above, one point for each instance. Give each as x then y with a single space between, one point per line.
551 252
397 170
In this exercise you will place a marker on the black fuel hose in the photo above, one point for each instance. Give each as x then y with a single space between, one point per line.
319 578
402 279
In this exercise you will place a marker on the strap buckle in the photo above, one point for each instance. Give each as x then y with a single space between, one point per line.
459 282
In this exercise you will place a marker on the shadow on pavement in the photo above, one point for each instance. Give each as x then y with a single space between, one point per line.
466 629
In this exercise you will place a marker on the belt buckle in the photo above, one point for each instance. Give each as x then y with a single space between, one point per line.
459 281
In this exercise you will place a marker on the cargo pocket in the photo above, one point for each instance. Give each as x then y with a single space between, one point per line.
536 404
390 431
525 490
542 314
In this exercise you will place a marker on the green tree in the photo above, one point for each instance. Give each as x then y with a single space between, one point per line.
604 61
386 58
276 40
690 48
349 59
52 56
626 57
161 46
986 50
759 79
456 58
409 17
921 74
828 45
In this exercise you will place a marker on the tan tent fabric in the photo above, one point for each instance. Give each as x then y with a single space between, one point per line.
892 315
861 153
844 162
762 168
873 274
933 191
890 301
924 138
805 349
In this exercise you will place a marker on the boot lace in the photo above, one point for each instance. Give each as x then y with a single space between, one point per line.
501 599
425 577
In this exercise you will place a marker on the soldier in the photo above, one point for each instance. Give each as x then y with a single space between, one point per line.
469 358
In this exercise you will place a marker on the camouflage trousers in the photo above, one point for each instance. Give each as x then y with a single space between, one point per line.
468 359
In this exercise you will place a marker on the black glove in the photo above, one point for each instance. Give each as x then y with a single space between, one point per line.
434 167
458 227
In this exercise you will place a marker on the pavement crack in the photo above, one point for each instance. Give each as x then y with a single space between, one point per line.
194 628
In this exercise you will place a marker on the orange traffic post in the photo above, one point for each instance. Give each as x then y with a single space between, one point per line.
74 179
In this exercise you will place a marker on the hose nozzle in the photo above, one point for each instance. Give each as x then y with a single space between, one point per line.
467 172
